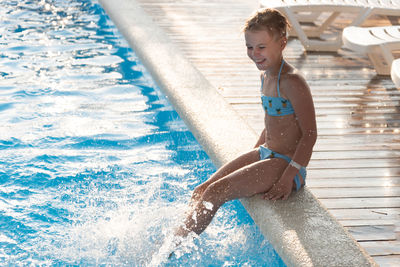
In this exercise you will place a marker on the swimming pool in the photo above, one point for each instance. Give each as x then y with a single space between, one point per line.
95 165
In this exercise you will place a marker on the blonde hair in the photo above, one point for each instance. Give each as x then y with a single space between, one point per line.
268 19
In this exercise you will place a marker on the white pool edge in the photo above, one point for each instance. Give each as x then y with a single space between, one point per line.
300 229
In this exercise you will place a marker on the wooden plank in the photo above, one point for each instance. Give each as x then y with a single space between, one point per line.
367 214
381 154
323 144
382 248
388 261
372 233
360 192
357 203
386 176
350 182
366 222
354 163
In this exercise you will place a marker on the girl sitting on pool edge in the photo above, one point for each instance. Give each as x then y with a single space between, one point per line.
276 166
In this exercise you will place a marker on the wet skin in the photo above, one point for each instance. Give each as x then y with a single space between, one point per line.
291 135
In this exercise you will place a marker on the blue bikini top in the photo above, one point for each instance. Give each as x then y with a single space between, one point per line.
276 106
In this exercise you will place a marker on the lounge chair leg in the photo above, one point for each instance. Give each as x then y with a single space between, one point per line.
318 30
362 16
328 22
382 58
379 63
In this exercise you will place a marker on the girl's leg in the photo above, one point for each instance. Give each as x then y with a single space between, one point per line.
241 161
247 181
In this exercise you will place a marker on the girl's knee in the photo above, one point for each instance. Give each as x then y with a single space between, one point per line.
214 194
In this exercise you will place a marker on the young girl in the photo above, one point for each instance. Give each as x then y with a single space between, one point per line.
276 166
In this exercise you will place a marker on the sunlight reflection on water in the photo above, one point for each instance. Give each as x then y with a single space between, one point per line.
95 166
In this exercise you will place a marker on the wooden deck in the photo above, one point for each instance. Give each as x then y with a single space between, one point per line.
355 168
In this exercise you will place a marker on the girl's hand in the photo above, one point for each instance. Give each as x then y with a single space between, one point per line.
280 190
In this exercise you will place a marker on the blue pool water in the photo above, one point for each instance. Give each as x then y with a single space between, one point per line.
96 167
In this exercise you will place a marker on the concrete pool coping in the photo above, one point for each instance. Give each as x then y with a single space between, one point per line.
300 229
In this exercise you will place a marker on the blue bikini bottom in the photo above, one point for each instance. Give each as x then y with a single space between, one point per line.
266 153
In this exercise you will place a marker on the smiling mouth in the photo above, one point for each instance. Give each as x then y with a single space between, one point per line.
259 61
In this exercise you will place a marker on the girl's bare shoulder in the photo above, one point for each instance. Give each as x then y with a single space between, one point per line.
293 82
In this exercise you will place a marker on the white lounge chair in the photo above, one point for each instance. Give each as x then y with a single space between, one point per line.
299 12
380 44
395 73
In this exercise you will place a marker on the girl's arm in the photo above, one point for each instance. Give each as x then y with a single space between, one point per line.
261 139
303 105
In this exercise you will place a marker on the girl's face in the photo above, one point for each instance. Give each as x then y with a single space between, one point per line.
264 48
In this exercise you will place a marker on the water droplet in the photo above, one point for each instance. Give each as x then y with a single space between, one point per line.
208 205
